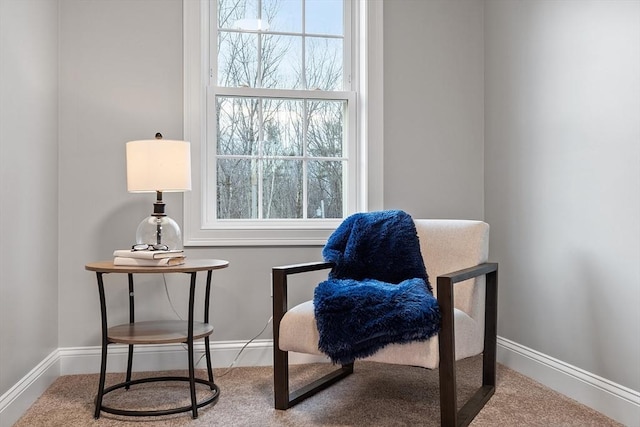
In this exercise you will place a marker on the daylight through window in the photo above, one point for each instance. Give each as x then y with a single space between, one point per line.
281 111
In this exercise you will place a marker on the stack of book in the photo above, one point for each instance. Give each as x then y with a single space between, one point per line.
148 258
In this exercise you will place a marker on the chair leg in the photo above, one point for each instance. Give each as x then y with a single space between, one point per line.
447 369
280 378
482 395
489 359
283 398
450 416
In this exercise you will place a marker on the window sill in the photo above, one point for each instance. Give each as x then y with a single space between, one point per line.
257 236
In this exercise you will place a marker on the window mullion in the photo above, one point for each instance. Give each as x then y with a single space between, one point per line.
283 93
259 47
304 46
348 45
260 157
305 161
260 136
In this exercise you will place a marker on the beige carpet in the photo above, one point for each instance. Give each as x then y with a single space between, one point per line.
375 395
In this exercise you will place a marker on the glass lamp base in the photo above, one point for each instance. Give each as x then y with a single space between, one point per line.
159 230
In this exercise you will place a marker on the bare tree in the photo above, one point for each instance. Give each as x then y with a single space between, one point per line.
266 146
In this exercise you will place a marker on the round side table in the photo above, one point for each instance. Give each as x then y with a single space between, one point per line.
157 332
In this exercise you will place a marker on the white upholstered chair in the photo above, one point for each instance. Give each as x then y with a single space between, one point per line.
455 253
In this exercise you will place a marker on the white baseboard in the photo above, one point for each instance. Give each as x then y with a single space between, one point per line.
86 360
613 400
25 392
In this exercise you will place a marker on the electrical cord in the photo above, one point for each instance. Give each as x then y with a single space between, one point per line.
230 368
166 290
235 360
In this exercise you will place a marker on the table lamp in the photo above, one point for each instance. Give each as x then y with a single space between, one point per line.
158 166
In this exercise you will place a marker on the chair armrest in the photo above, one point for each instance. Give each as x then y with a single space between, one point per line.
467 273
447 332
303 268
279 283
445 284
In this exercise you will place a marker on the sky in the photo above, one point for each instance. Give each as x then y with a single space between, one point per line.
322 16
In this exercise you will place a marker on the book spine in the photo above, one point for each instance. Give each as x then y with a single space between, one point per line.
148 262
152 255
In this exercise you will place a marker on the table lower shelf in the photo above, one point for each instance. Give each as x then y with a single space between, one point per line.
157 332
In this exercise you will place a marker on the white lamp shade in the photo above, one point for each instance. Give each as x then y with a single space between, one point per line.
158 165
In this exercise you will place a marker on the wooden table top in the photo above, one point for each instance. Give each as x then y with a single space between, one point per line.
189 266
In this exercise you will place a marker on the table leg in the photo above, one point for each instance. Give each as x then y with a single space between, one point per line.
192 382
207 350
131 320
105 343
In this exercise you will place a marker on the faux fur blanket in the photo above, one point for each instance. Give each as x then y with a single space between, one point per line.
378 292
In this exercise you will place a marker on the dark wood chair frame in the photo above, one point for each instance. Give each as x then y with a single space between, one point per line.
449 415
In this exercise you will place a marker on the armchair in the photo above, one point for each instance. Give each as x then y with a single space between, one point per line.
454 251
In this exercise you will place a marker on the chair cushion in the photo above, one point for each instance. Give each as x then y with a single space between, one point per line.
299 333
298 330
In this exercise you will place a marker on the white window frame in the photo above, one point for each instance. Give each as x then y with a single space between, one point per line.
367 131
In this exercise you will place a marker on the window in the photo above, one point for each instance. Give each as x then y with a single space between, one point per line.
271 109
280 134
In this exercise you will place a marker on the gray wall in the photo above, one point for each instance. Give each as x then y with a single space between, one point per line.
121 80
28 186
563 178
434 108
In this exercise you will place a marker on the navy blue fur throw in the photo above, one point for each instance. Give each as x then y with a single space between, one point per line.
379 245
378 293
